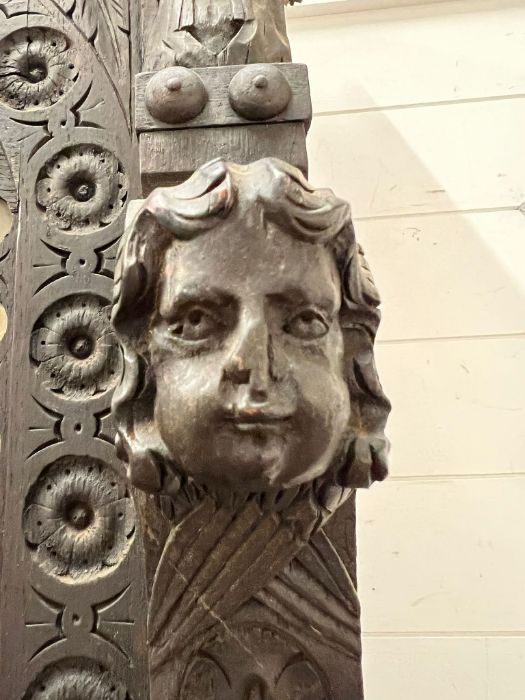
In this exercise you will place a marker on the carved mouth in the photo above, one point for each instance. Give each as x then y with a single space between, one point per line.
260 427
255 418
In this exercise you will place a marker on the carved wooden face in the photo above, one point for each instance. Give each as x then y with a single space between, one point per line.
247 353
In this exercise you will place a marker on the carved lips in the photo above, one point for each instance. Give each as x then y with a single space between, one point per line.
253 417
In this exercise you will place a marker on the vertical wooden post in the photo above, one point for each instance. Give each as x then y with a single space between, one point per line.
72 569
251 573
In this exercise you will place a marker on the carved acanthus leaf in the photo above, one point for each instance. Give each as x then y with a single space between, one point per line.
105 23
7 184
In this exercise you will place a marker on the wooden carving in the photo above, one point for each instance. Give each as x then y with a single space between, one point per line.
215 33
72 571
215 559
250 404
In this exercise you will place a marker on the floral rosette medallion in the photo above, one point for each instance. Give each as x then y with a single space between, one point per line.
75 349
76 679
37 68
79 518
82 187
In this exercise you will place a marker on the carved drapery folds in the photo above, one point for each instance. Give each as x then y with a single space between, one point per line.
201 33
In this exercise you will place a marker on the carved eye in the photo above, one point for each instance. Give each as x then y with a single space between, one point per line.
307 325
195 324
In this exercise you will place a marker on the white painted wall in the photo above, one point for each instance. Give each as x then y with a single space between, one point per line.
420 123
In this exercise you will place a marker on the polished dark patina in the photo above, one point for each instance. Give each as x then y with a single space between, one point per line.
249 398
215 560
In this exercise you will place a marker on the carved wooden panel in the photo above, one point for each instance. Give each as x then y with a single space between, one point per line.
72 577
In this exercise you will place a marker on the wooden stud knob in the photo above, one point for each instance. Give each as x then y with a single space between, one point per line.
259 92
175 95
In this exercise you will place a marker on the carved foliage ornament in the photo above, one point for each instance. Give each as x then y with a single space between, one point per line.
64 107
288 673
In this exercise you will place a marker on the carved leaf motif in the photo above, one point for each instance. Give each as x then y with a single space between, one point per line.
253 662
7 185
102 22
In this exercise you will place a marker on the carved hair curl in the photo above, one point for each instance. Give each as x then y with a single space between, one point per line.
285 198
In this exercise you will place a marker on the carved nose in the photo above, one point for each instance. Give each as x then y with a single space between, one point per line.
236 374
249 362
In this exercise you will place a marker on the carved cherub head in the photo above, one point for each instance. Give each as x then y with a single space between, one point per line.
247 316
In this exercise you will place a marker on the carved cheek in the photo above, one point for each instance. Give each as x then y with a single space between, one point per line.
330 398
188 388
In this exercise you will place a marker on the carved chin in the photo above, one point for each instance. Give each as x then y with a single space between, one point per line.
256 459
252 458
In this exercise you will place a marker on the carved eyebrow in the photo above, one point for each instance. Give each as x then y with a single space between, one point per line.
296 296
172 300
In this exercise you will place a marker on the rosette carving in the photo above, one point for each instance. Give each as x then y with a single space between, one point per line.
79 517
75 349
37 68
82 188
76 679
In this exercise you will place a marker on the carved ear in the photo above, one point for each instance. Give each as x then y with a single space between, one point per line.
367 457
138 441
143 470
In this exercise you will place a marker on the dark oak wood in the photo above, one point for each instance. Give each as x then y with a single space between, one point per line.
250 405
72 614
170 157
217 559
218 108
